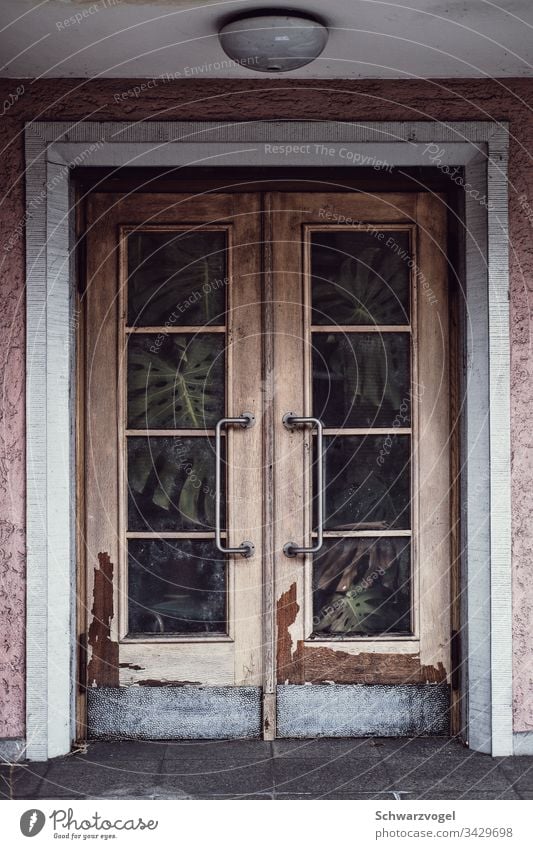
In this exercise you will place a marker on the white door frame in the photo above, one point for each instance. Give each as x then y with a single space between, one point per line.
52 150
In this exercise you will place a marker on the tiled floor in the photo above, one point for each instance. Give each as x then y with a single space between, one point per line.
424 768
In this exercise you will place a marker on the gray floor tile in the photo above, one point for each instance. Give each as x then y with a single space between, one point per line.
267 795
231 751
77 778
319 777
219 779
467 794
421 746
326 749
136 751
371 795
519 771
432 775
6 782
22 781
286 769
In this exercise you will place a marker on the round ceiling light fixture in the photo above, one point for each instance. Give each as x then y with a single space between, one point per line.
273 41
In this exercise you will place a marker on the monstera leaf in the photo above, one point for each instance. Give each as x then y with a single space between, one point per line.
171 484
350 560
363 371
355 612
366 488
177 385
361 588
368 289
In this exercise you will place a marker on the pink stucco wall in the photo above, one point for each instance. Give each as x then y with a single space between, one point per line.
231 100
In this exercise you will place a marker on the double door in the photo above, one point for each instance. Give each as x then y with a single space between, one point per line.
266 498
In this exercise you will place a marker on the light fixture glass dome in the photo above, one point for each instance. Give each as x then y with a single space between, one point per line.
273 42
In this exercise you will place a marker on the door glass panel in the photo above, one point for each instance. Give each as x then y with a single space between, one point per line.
176 278
176 586
360 277
368 482
171 484
362 587
176 380
362 379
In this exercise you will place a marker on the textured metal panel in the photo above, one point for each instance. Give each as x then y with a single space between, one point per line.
362 710
174 713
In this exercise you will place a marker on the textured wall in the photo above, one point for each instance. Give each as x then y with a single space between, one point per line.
12 488
240 100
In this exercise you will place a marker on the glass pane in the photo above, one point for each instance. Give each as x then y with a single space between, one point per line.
362 379
171 484
176 278
360 277
362 586
176 586
176 381
368 482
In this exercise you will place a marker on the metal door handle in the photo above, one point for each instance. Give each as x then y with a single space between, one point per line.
246 548
291 549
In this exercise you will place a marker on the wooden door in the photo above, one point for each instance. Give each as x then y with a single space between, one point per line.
330 307
361 344
173 347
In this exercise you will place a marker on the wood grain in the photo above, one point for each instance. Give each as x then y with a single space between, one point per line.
426 656
237 660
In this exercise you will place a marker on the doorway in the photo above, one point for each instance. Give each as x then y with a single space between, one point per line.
267 470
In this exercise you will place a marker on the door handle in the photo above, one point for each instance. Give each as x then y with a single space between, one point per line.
245 420
291 549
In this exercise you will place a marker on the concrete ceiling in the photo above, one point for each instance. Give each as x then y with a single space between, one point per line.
368 38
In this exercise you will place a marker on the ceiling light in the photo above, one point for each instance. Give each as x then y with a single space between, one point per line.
273 41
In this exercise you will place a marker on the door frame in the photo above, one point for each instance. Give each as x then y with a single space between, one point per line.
52 150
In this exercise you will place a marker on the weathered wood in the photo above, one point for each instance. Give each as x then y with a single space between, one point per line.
244 447
457 672
102 669
81 566
269 506
269 372
303 663
206 662
231 660
432 446
424 656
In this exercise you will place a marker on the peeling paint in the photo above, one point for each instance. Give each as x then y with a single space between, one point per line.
103 668
321 665
286 613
